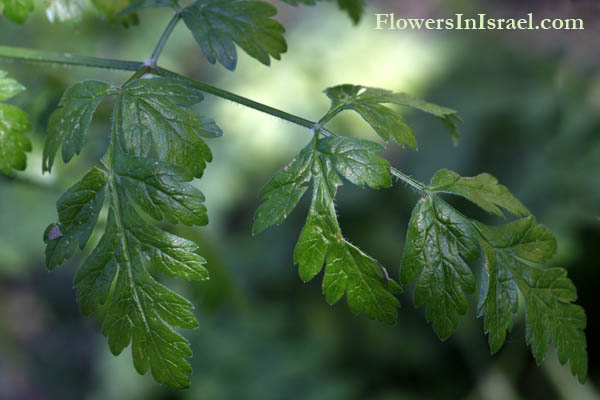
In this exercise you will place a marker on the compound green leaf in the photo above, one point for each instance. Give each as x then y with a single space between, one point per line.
482 190
116 284
354 159
69 124
148 174
17 10
78 211
512 253
438 242
218 24
151 120
116 281
387 123
347 269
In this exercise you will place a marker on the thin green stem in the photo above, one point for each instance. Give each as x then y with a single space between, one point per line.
138 74
415 184
330 114
47 57
164 38
206 88
23 54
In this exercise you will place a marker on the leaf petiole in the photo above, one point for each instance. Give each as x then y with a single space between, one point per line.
164 38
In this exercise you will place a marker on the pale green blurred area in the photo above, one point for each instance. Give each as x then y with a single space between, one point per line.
530 118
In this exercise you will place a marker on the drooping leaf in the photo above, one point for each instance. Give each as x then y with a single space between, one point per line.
17 10
319 231
348 271
151 120
13 124
512 255
498 298
438 242
69 124
283 191
387 123
117 282
354 159
218 24
78 211
482 190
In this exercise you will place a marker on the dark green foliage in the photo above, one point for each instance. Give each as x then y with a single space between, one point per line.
218 24
348 270
482 190
156 149
513 253
387 123
158 146
438 242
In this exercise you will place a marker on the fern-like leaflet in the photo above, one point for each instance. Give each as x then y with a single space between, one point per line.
158 146
439 242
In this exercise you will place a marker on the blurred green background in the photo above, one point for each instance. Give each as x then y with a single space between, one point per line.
530 103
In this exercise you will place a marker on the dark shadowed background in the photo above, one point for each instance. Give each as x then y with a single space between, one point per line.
530 101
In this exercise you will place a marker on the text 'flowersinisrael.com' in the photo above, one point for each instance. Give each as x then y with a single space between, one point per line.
481 22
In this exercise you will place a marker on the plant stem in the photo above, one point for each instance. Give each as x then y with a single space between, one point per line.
47 57
330 114
204 87
22 54
138 74
164 38
415 184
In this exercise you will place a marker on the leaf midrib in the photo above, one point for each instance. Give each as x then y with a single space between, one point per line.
115 196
